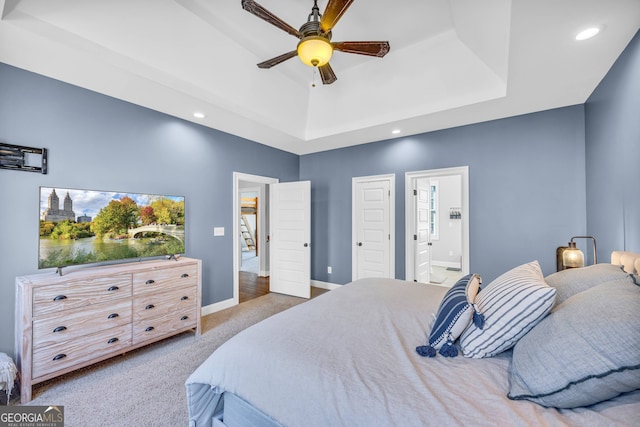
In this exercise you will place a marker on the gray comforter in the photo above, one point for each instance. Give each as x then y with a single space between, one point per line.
347 358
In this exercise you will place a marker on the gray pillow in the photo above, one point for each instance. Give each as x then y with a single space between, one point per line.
586 351
574 280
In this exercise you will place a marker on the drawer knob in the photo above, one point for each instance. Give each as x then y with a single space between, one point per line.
184 298
149 307
113 288
113 316
149 329
59 356
60 298
184 317
60 329
184 275
112 340
150 282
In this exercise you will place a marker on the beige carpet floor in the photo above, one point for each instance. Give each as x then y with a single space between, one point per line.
146 387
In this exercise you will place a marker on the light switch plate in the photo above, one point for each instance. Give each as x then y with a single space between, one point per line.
218 231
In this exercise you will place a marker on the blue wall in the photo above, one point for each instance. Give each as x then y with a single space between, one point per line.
525 173
98 142
613 156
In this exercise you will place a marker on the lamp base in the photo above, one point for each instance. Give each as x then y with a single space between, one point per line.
559 264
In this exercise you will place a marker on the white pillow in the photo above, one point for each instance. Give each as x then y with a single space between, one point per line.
511 305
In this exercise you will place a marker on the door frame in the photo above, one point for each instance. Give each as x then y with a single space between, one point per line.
410 217
237 247
392 220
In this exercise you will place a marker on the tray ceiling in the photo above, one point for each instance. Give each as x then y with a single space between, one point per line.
452 62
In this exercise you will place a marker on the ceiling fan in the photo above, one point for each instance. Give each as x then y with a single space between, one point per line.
315 47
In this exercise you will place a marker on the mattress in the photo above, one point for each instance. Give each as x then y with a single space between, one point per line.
347 358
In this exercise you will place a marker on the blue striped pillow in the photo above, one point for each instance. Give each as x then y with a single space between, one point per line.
511 305
454 315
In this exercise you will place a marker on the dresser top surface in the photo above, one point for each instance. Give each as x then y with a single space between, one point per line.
87 272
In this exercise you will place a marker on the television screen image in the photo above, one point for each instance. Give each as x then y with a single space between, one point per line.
89 226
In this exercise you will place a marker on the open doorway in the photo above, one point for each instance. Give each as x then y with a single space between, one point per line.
249 227
437 225
253 282
250 231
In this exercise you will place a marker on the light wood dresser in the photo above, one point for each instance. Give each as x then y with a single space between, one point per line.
87 315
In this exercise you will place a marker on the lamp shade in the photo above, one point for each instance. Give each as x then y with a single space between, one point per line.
315 51
573 257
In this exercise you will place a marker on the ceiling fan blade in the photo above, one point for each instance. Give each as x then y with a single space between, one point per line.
262 13
378 49
278 59
327 74
332 14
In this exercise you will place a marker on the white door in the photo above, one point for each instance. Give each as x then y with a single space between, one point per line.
422 235
290 227
372 222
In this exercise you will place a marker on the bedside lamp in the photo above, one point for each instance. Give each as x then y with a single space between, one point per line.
572 257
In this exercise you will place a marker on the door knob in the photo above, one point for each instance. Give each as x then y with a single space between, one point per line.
306 245
359 243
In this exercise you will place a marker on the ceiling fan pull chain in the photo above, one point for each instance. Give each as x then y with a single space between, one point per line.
313 81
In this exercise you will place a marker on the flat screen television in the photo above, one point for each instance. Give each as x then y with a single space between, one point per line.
88 226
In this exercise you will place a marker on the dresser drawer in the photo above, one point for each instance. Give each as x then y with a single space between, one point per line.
147 306
149 329
165 278
71 353
76 294
75 323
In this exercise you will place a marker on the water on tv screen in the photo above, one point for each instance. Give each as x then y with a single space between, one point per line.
89 226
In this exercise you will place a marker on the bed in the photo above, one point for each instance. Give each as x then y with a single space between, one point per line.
357 356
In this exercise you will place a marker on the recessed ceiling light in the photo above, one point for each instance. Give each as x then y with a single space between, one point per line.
396 131
588 33
198 115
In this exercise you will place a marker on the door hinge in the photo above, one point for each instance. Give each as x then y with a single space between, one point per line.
415 192
415 237
389 236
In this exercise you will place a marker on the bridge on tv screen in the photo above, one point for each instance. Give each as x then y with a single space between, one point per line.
169 230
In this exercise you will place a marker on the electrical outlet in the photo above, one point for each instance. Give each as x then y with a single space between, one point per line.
329 269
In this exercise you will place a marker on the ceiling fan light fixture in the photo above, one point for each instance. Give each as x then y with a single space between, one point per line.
315 51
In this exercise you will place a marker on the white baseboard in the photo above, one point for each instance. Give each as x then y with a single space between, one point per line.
445 264
218 306
324 285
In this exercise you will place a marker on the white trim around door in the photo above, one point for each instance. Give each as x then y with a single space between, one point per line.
410 215
237 177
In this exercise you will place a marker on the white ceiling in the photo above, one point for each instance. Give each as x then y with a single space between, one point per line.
452 62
